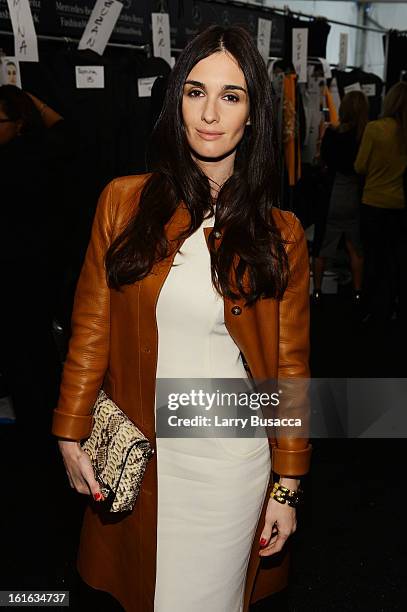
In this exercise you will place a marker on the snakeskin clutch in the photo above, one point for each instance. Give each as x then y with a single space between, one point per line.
119 453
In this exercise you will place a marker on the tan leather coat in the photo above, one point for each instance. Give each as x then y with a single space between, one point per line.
114 344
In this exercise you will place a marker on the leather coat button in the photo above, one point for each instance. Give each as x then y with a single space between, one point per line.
236 310
217 234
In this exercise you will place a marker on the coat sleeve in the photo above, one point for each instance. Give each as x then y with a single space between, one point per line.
88 350
291 455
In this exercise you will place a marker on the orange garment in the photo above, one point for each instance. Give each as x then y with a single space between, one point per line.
333 113
333 119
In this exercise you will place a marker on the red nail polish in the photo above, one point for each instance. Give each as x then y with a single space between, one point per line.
98 496
263 541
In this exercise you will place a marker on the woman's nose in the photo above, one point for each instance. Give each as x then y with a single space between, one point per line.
209 111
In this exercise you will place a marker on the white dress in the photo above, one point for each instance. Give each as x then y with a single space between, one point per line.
210 490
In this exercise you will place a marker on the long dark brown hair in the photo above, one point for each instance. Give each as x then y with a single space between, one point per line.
354 113
251 248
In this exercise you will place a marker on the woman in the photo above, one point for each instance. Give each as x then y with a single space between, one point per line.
197 547
382 160
338 151
32 136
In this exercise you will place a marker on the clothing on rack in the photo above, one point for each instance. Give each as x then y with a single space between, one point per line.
319 111
396 57
289 120
114 123
318 30
369 83
334 91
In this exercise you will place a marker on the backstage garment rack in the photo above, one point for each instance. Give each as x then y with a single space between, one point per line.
270 10
146 48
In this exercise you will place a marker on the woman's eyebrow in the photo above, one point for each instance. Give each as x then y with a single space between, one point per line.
202 85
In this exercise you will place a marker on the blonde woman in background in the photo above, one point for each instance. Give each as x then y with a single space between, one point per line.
382 159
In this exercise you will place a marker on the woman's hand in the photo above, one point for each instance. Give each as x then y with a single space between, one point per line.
79 469
280 522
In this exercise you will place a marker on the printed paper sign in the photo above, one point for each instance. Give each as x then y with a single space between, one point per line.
300 52
90 77
369 89
352 87
25 37
9 71
161 36
264 37
100 25
144 86
343 49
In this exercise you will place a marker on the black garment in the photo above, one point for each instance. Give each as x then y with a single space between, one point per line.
33 216
384 236
339 150
370 83
114 123
137 122
34 211
29 361
312 194
396 57
318 30
113 126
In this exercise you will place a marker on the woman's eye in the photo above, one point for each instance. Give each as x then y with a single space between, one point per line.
194 93
232 98
197 93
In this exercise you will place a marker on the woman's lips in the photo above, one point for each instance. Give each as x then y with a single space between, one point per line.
209 135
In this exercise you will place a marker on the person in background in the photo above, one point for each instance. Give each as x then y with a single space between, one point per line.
32 136
339 149
382 159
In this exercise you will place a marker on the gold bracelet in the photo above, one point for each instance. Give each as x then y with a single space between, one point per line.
284 495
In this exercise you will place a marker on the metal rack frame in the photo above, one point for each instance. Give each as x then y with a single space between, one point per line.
67 39
287 11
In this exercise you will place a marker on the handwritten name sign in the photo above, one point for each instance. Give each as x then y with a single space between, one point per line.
264 37
343 50
160 23
90 77
100 25
300 53
25 37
